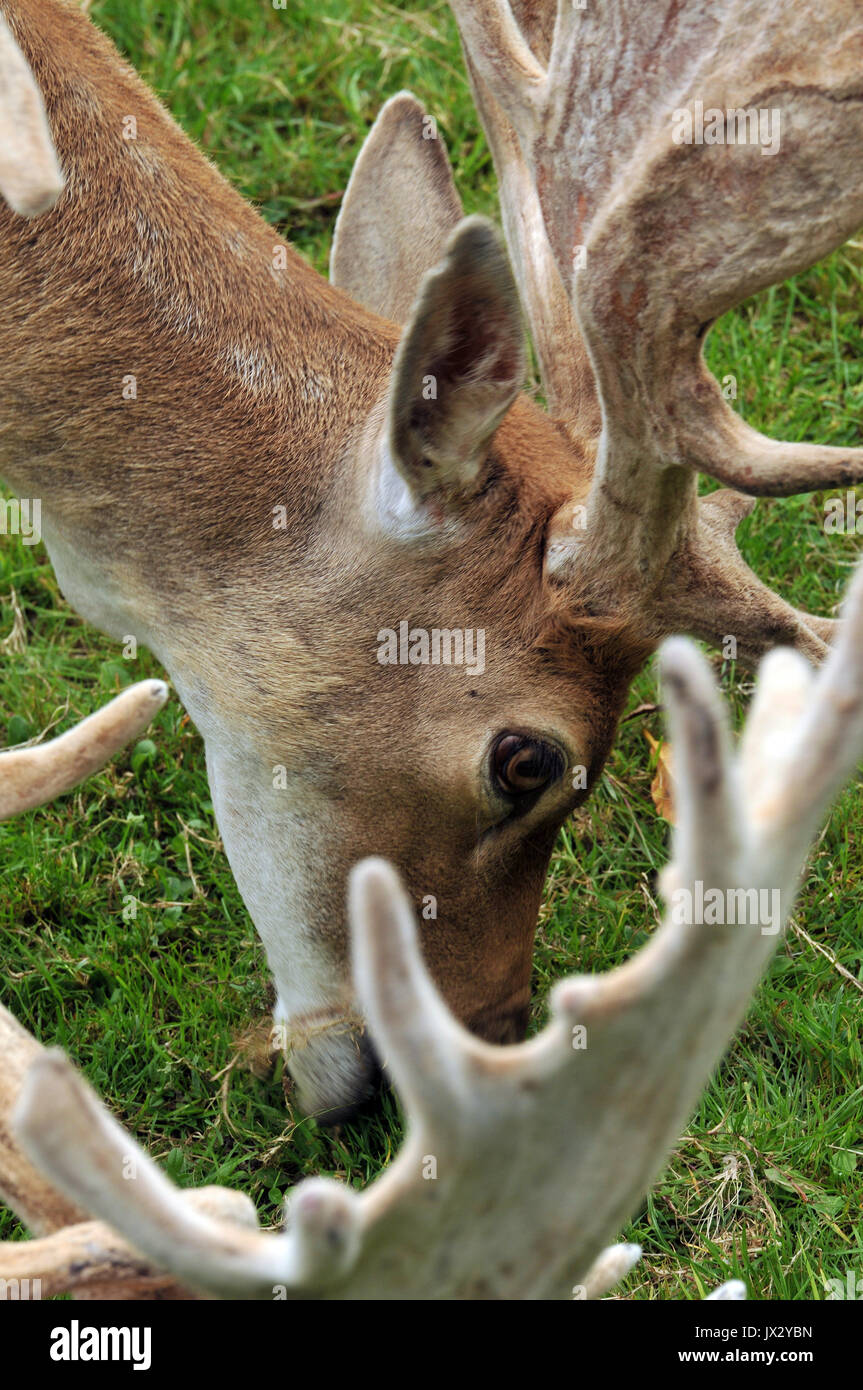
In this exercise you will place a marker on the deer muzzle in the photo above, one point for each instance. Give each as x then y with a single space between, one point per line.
331 1062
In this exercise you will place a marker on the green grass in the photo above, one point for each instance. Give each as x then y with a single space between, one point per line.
156 1010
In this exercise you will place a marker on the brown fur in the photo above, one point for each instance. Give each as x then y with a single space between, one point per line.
150 264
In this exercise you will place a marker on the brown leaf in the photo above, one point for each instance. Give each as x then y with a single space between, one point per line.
662 786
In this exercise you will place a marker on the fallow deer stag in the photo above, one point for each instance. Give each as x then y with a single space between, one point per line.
256 476
520 1162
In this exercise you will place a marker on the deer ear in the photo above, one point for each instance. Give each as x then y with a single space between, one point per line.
458 367
399 208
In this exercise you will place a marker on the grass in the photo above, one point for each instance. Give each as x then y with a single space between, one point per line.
125 940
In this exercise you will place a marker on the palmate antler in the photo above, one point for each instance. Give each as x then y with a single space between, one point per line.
626 246
520 1163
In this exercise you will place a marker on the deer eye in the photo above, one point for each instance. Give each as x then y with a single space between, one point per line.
522 766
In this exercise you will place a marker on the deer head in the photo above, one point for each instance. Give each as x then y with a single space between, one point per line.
429 658
573 538
520 1162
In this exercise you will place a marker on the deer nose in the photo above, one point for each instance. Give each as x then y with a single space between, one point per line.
332 1064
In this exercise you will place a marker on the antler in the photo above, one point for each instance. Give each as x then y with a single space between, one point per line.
628 245
31 776
72 1253
31 180
507 50
521 1162
71 1258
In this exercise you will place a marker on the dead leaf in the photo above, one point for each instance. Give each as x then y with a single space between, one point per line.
662 786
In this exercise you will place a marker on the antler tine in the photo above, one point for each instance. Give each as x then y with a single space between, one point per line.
31 180
31 776
709 591
417 1037
508 108
610 1268
735 1289
38 1205
503 58
564 366
511 1185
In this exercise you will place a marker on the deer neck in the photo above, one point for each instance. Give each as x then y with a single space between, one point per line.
183 393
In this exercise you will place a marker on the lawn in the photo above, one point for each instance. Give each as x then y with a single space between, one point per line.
125 940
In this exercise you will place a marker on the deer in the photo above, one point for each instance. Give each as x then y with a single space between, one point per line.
263 477
521 1161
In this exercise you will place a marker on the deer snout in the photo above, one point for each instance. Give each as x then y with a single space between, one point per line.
332 1063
